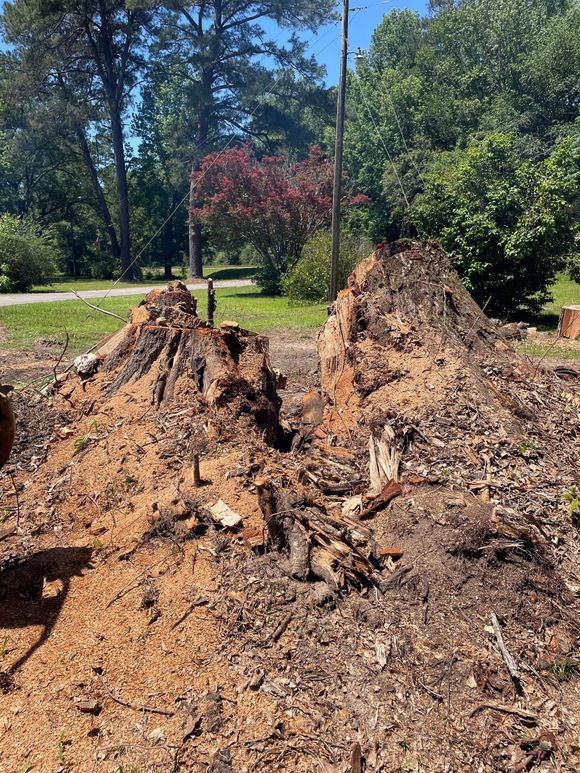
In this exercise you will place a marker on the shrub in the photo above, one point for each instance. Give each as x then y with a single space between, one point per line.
507 223
27 257
310 278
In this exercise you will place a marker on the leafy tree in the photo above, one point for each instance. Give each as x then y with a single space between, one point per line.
309 279
273 205
223 56
94 48
27 256
503 221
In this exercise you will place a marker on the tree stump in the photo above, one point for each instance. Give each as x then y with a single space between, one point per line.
166 346
569 323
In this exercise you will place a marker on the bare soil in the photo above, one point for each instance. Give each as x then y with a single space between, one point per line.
138 634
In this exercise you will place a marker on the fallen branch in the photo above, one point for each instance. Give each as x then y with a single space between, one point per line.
506 710
134 706
507 657
280 628
98 308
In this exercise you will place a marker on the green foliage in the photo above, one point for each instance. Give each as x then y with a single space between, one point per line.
310 278
28 256
504 221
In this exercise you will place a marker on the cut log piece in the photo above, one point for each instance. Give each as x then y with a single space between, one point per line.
569 324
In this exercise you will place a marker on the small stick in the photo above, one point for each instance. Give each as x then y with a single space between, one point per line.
196 473
98 308
12 478
280 628
506 709
61 356
508 659
135 707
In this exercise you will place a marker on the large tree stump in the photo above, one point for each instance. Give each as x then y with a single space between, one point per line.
7 427
569 324
170 346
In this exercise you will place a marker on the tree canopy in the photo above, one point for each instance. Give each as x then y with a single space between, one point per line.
462 124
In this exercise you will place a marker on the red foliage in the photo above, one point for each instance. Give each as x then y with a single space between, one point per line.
273 204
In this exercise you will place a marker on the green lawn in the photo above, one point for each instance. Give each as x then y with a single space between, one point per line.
564 291
216 272
47 323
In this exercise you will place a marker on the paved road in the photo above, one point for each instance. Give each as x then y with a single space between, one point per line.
17 300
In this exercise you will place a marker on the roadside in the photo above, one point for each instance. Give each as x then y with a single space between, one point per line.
19 299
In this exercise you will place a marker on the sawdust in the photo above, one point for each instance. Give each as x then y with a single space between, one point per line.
138 635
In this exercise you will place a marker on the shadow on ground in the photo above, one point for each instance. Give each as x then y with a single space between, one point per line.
26 599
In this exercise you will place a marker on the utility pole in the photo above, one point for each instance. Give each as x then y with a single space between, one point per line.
338 157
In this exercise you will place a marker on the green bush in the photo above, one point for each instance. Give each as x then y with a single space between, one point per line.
506 222
27 257
310 278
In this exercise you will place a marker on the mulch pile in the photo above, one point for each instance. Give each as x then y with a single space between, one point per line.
387 581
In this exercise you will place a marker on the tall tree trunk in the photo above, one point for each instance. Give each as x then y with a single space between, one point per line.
122 192
195 245
168 241
98 191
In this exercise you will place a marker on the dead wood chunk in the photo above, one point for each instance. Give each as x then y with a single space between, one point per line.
89 707
256 679
254 537
389 492
384 459
312 408
356 758
390 552
299 549
224 515
569 324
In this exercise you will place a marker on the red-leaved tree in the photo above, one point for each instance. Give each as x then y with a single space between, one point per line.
272 204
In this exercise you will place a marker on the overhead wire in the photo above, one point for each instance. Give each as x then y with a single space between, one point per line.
214 161
275 79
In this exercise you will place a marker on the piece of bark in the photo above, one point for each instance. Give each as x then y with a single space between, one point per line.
389 492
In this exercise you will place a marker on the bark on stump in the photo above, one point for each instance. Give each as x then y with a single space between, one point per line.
167 342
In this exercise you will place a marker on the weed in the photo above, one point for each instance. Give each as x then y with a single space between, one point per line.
527 445
563 668
572 498
130 482
61 745
81 443
4 645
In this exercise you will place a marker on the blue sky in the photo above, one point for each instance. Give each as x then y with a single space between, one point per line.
326 45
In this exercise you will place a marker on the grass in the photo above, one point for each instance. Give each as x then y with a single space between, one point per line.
216 272
565 292
47 323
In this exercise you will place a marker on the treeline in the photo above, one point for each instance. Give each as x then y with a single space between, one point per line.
462 125
473 113
106 106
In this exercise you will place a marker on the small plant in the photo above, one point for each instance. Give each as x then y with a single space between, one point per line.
527 445
572 498
61 745
4 646
563 668
130 482
81 443
83 440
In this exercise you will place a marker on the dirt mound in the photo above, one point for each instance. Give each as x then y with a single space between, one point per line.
384 580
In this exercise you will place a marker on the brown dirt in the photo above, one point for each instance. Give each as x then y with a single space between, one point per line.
120 598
